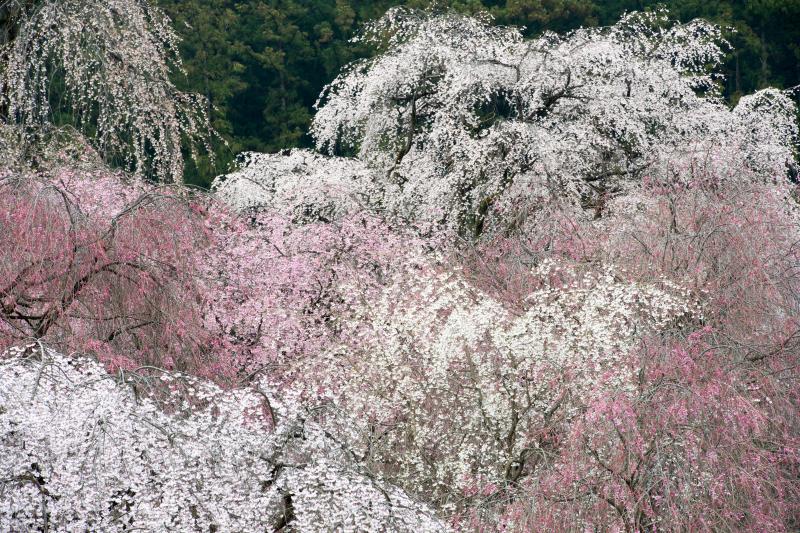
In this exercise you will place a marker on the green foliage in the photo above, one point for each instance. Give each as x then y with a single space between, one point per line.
262 64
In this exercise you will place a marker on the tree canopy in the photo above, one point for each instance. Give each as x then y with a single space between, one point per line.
519 283
104 68
262 65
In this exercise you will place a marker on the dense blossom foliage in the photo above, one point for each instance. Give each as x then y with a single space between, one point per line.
281 182
277 292
99 265
105 67
695 445
85 450
467 388
472 128
555 289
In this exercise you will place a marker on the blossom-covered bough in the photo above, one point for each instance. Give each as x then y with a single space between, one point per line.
471 128
85 450
100 264
469 388
552 286
104 67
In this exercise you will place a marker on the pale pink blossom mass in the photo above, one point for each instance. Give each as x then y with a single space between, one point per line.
518 285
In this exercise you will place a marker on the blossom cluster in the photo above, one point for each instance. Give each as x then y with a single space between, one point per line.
554 289
85 450
110 64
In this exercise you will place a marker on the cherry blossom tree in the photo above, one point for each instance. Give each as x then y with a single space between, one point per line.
453 388
470 127
695 444
101 266
104 67
540 285
84 450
